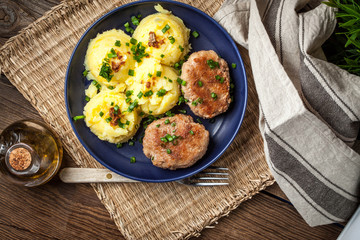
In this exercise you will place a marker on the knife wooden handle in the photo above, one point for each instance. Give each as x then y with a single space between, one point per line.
91 175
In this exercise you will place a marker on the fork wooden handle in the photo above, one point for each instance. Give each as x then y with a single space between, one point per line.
91 175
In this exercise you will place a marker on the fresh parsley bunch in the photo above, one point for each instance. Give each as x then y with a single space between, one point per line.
348 17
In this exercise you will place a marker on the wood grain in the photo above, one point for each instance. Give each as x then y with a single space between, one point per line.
73 211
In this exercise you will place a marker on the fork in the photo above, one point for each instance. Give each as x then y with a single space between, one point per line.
212 176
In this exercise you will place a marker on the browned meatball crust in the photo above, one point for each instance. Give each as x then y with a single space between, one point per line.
186 142
207 89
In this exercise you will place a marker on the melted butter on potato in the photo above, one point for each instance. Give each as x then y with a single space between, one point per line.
165 89
152 30
98 50
102 102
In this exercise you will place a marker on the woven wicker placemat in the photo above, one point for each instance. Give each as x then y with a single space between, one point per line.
35 62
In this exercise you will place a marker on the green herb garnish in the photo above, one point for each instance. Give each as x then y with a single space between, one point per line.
172 39
78 117
167 27
212 64
195 34
161 92
117 43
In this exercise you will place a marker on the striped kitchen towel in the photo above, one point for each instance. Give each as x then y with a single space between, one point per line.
309 108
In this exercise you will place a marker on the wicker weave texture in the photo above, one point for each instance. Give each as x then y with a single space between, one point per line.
35 62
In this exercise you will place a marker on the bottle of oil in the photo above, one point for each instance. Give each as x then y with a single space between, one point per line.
30 153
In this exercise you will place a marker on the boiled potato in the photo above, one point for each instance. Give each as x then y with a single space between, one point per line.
97 113
156 95
165 35
104 56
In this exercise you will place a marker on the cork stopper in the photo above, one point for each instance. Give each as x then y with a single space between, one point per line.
20 159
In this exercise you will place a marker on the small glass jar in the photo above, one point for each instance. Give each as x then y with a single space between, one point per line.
30 153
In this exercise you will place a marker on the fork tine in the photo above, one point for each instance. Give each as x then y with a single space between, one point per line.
210 178
218 168
215 173
208 184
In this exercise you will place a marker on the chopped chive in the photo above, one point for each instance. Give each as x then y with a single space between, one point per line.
131 72
181 48
195 34
191 132
117 43
111 87
200 83
213 95
131 143
173 124
221 80
172 39
161 92
133 106
112 103
232 85
127 44
87 98
116 108
140 94
108 119
183 83
119 145
135 20
167 27
182 111
168 151
78 117
132 160
158 125
212 64
148 93
127 25
97 85
233 65
198 120
170 80
85 73
162 55
167 121
127 122
133 41
101 113
112 54
150 75
169 114
129 93
217 77
158 73
127 100
121 124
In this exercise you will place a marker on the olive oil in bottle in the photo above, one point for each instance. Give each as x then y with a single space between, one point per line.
30 153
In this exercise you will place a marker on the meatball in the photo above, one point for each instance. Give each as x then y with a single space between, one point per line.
207 84
175 142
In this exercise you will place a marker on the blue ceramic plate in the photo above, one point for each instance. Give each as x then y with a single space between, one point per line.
222 131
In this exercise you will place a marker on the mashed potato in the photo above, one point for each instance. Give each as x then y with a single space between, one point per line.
121 81
97 114
165 35
158 91
99 50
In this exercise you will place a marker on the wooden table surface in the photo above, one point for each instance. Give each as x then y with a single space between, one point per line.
73 211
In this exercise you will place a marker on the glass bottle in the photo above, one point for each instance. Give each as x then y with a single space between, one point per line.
30 153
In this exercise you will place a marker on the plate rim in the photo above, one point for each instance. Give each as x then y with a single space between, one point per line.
243 71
